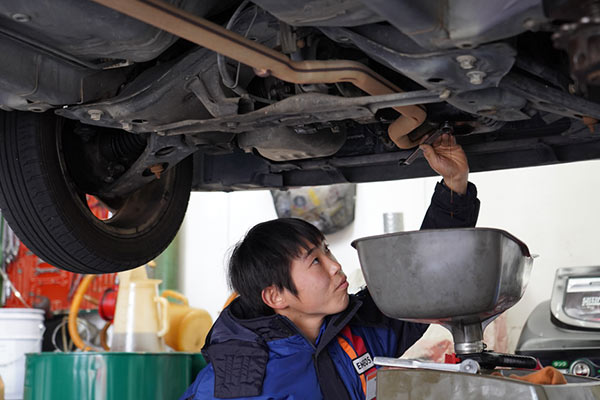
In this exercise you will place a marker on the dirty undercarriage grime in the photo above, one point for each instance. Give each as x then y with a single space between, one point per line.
479 82
140 97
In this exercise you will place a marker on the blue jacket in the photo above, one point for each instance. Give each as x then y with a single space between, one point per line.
267 357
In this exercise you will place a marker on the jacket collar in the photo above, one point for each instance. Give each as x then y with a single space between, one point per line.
237 346
336 322
235 323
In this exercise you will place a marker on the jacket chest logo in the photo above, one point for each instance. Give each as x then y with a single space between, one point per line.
363 363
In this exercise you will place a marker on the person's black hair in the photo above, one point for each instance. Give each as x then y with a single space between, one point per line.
264 258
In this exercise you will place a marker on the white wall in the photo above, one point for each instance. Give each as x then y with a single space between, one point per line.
214 223
555 210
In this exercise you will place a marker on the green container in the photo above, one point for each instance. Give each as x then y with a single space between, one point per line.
109 376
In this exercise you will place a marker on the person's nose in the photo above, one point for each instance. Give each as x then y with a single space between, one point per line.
333 265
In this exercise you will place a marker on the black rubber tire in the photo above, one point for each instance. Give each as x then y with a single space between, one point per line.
43 207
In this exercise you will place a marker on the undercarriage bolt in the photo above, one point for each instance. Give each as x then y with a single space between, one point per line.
466 61
95 115
157 169
445 94
476 77
530 24
262 72
21 17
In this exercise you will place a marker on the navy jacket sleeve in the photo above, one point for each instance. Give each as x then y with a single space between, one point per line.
451 210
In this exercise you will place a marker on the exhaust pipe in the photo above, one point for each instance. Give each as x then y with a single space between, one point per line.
271 62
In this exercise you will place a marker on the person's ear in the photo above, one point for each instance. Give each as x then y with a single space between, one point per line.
273 297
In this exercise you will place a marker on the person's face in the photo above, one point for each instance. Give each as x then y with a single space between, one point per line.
321 284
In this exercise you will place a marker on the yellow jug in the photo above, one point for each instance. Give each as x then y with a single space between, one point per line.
188 326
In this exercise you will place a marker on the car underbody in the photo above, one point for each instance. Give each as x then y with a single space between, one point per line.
277 94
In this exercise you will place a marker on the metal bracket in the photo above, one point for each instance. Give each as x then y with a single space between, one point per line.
163 151
305 109
546 98
216 103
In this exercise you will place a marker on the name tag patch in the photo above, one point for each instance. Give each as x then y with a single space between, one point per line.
363 363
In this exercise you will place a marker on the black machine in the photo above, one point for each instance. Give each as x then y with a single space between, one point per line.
564 332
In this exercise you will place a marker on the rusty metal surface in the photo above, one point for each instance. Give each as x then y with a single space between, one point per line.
304 108
267 61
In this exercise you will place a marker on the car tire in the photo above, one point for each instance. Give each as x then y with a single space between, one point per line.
50 215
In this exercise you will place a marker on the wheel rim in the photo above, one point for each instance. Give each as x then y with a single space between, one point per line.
136 215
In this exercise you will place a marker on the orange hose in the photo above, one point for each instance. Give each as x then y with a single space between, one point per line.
74 310
103 340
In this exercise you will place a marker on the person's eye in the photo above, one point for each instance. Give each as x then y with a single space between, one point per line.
315 261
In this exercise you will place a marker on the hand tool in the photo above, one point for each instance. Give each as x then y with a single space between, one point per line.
468 365
444 128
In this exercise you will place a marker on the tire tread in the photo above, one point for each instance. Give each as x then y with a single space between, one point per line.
31 204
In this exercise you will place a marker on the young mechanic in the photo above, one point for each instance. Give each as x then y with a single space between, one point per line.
294 332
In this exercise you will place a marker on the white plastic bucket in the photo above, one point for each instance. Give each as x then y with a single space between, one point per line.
21 331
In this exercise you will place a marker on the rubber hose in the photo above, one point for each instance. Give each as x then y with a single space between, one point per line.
103 340
74 310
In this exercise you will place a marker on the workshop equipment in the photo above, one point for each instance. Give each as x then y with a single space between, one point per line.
461 279
330 208
141 314
139 324
419 267
147 372
564 332
188 326
21 331
110 376
108 303
425 384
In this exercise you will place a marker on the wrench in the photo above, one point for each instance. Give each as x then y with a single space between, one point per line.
444 128
468 365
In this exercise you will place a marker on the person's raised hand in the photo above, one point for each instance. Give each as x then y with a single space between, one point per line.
447 158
